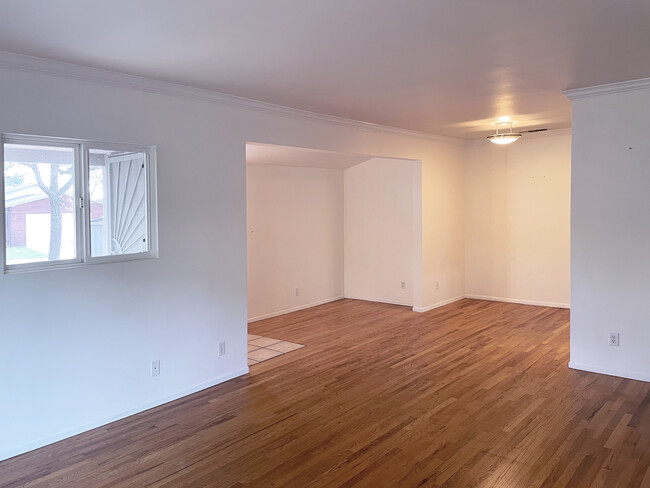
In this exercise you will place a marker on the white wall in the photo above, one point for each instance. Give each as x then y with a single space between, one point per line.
610 231
89 368
381 243
295 238
77 344
517 220
443 229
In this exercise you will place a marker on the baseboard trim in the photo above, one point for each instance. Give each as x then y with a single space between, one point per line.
437 305
378 300
521 302
415 309
295 309
30 446
590 368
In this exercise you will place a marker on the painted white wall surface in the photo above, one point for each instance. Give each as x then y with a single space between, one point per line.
517 220
610 232
295 238
443 228
85 351
381 242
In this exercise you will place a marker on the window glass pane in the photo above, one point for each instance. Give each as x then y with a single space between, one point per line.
39 203
118 202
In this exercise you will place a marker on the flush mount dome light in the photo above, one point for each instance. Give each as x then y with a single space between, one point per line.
504 137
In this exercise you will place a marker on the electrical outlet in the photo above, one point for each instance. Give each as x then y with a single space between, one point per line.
613 338
222 349
403 285
155 367
437 285
297 291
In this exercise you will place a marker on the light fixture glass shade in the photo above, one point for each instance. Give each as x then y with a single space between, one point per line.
505 137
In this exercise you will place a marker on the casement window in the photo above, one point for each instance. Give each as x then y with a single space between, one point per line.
69 202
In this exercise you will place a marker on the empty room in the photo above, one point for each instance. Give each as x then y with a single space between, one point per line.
371 243
323 226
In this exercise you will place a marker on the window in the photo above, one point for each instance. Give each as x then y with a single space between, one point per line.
69 202
117 194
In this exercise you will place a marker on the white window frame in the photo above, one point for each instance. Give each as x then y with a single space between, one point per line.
83 204
152 217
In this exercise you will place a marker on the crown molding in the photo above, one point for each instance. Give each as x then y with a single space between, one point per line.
88 74
618 87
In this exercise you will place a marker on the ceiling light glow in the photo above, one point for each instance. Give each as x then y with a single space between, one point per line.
503 138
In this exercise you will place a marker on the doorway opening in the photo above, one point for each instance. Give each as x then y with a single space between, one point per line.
323 226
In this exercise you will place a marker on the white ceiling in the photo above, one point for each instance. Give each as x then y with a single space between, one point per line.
447 67
296 156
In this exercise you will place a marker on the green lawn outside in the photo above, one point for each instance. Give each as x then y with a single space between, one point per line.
16 253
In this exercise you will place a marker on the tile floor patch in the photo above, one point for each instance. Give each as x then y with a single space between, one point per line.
263 341
285 346
262 354
262 348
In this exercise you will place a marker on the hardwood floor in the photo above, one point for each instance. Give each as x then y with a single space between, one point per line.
474 394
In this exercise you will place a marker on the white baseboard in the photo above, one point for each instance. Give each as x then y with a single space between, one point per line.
632 375
521 302
492 299
30 446
294 309
405 304
379 300
437 305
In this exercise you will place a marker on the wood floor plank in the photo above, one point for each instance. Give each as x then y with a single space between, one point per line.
473 394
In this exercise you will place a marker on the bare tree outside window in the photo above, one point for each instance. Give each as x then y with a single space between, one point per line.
55 191
39 203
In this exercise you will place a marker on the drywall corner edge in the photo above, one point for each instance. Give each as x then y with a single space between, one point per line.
437 305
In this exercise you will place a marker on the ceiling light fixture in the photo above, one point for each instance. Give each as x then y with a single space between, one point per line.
504 137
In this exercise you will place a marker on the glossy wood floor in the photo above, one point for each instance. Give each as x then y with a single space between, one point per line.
472 394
